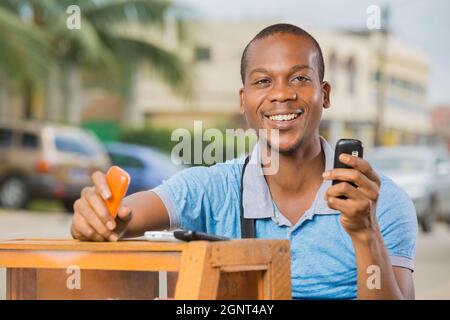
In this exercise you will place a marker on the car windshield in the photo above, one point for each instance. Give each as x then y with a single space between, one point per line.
83 146
398 164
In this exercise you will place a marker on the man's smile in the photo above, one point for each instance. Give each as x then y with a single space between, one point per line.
283 119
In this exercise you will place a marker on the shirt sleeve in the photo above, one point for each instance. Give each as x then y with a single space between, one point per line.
398 223
185 198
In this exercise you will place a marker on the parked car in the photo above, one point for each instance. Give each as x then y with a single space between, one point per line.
146 166
46 161
424 173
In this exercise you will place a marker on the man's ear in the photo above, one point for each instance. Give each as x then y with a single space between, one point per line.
241 100
326 90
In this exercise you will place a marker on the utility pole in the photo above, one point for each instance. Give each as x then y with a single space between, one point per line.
381 49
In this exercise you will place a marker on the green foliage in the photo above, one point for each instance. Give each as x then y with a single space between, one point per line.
107 48
24 49
148 136
105 130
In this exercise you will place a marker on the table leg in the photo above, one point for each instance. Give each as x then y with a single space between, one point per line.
197 279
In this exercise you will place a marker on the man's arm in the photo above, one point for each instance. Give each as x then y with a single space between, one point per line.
148 213
405 281
377 278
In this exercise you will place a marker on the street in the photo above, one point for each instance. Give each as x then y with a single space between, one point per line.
432 275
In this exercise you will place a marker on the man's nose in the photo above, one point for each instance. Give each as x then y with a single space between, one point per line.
282 93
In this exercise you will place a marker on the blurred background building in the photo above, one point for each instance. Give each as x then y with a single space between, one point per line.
440 121
352 67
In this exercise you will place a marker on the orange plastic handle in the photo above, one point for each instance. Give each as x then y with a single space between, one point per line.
118 181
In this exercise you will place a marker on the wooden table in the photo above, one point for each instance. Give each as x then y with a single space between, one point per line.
71 269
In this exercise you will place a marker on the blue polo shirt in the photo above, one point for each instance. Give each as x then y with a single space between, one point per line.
323 263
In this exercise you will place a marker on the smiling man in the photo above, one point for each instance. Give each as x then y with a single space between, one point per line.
361 247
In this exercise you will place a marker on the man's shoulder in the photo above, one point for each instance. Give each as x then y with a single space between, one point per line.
389 188
393 201
228 171
397 219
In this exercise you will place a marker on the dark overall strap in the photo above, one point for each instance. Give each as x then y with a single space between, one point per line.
247 225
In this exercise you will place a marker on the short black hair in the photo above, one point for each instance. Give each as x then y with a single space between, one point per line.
283 28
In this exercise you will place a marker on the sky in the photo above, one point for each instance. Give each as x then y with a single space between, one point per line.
421 23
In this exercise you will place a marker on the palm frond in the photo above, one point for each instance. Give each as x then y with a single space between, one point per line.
82 46
34 36
166 64
115 12
24 51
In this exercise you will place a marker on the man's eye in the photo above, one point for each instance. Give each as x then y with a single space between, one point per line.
262 82
301 79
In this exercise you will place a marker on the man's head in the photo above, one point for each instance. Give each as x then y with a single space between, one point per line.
282 73
283 28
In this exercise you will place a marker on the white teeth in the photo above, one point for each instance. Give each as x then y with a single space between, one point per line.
284 117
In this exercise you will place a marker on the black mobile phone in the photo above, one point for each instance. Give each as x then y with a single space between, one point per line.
352 147
190 235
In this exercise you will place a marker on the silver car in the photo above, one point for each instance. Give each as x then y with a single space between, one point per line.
424 173
41 160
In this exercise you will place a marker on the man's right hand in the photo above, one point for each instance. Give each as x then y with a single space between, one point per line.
91 220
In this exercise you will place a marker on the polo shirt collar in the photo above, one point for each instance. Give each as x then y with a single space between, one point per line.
257 200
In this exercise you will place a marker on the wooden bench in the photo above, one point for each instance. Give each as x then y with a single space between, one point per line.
237 269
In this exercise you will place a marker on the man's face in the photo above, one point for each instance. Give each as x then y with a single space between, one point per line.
283 90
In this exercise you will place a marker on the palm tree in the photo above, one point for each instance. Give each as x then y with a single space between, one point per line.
23 55
101 47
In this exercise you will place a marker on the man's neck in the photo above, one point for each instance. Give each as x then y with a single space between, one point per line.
300 171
